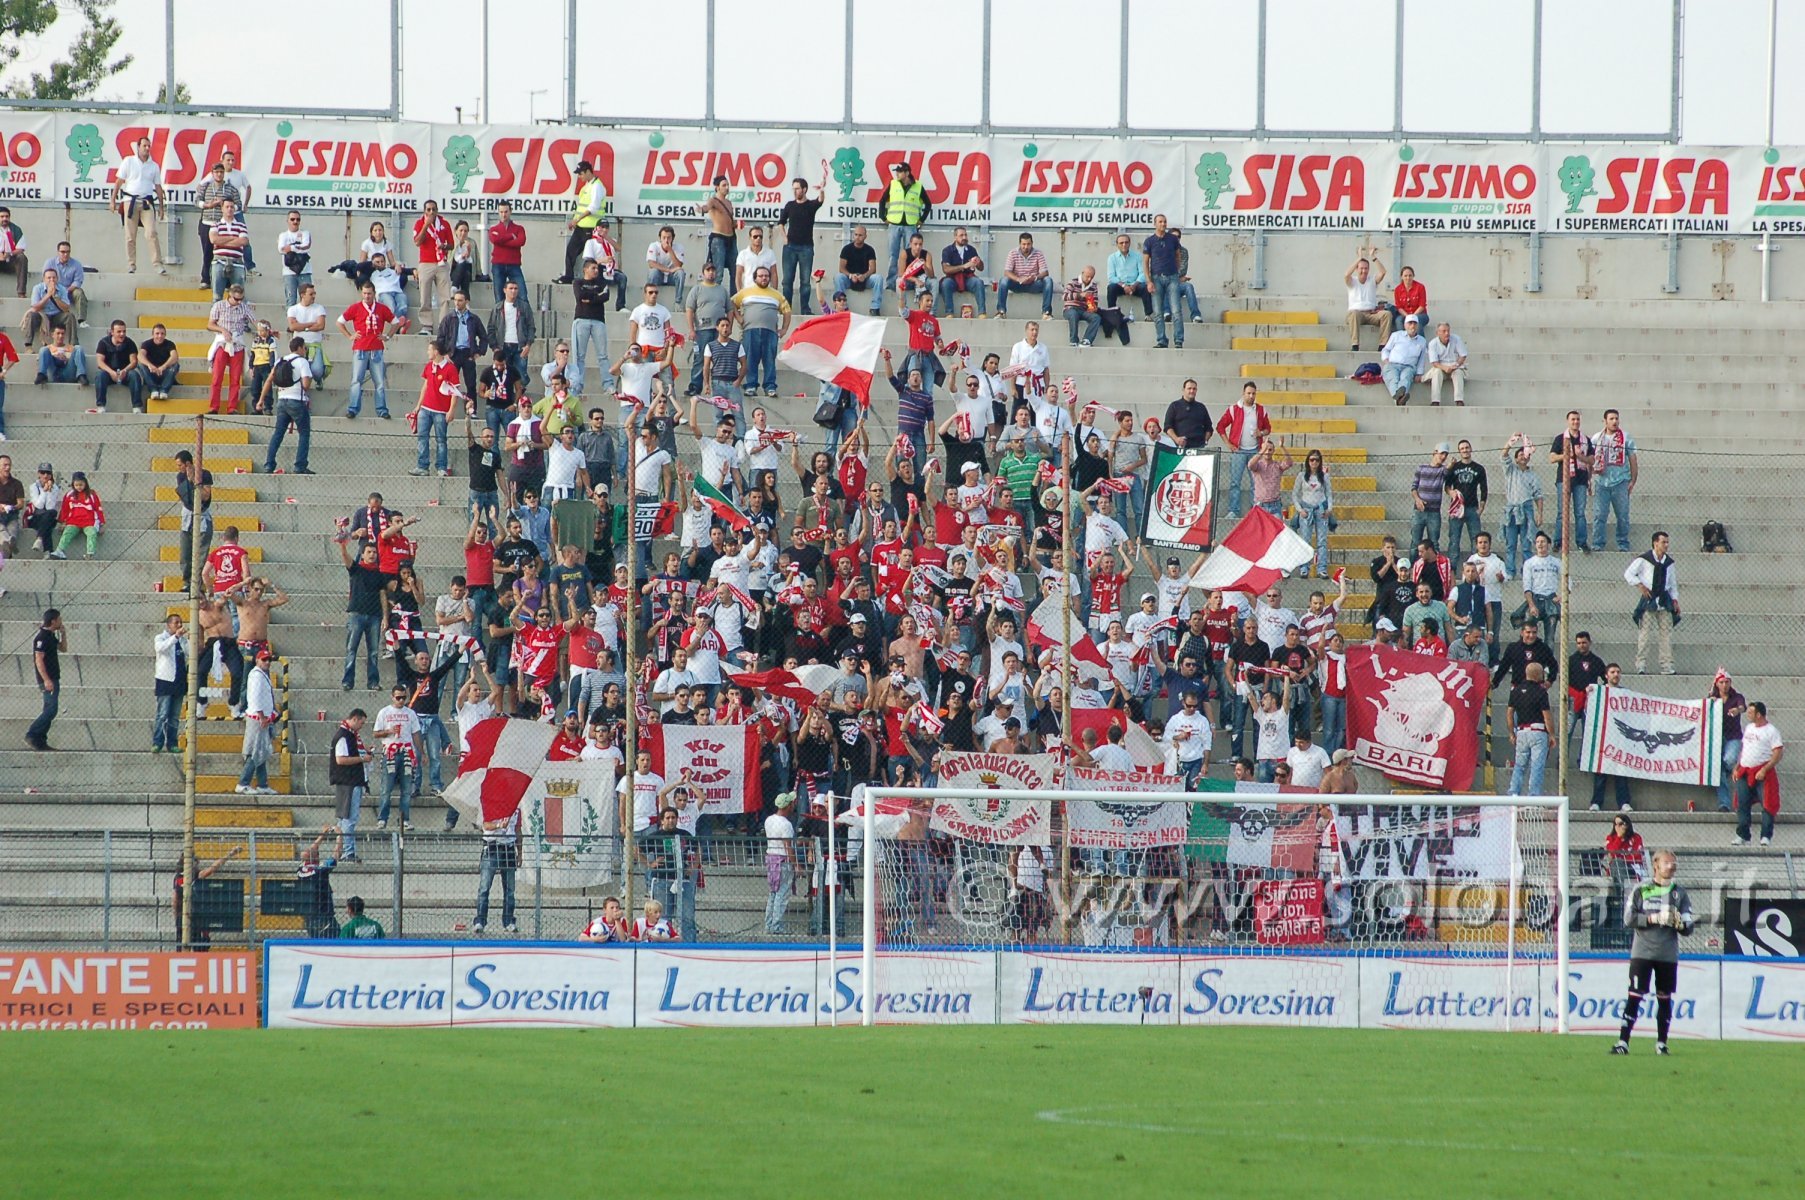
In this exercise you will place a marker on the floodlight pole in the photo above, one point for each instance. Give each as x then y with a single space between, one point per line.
1067 675
868 948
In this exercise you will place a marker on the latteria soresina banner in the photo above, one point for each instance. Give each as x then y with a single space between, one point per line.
1055 183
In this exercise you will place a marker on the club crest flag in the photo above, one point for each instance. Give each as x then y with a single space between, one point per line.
1181 494
722 762
572 825
964 813
1128 824
1415 717
1652 737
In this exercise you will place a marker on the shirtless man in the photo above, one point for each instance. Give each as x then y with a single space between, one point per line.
253 614
216 630
723 247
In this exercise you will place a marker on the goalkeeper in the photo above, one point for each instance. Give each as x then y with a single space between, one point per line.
1659 913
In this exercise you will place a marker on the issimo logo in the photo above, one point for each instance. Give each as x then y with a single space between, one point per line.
952 178
22 149
544 166
1464 181
700 168
1302 183
309 158
1071 177
185 153
1665 186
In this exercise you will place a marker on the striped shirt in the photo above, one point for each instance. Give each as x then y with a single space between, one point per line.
914 409
232 228
1316 627
1031 265
1428 485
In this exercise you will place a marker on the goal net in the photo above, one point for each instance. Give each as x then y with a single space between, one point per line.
1239 906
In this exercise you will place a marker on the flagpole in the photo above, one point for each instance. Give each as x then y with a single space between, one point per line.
1560 651
1068 678
630 648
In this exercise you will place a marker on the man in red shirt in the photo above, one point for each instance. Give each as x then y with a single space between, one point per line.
432 237
506 240
924 339
393 546
227 566
479 559
367 324
432 414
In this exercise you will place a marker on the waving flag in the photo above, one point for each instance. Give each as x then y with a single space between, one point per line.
1120 487
496 773
838 348
722 506
778 683
1257 552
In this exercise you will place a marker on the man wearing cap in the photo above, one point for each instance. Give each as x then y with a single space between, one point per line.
1404 360
1339 779
259 715
591 206
847 692
780 861
903 207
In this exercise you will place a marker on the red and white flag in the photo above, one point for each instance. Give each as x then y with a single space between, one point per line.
838 348
496 773
1119 487
925 718
1257 552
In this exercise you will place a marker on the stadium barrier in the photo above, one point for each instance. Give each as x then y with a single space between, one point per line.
459 984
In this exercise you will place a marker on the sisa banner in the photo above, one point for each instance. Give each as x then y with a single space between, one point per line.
157 990
25 173
1415 717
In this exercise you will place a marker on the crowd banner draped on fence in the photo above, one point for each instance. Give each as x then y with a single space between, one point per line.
1652 737
1415 717
571 826
967 814
1181 495
1058 183
1131 824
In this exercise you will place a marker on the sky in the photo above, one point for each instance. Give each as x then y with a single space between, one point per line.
1330 63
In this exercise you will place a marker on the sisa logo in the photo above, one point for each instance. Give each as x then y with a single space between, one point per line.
1664 186
1463 181
700 168
185 154
544 166
1781 181
951 178
1302 183
334 159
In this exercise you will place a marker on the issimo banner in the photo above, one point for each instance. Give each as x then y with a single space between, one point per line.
53 990
1652 737
1415 717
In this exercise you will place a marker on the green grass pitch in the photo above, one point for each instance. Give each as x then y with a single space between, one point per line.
909 1112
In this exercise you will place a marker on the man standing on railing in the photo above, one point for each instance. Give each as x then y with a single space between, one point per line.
1658 913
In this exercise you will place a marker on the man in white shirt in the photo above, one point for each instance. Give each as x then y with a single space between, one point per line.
664 262
1657 583
780 861
1363 307
1447 360
990 729
294 240
260 714
1492 575
1189 735
307 320
756 255
678 674
566 468
1541 587
1757 772
1402 361
1273 619
645 784
719 452
1032 359
1112 755
651 470
1307 761
398 734
137 195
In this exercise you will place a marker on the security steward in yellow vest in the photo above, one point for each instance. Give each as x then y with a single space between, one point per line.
903 207
591 208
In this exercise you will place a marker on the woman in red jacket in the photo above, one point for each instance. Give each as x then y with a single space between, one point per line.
80 512
1411 299
1623 858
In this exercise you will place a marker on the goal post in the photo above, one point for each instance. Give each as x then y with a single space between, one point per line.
1389 910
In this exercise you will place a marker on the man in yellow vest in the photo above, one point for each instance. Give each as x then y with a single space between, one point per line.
591 207
903 207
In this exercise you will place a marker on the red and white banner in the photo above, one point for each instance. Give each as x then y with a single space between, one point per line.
839 348
722 762
1415 717
1128 824
1288 912
500 768
572 820
1257 553
994 822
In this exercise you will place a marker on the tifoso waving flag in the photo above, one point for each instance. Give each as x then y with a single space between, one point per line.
839 348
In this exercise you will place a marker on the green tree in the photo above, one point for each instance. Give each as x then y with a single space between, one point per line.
88 63
182 95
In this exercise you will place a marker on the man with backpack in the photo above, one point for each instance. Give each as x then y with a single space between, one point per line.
292 378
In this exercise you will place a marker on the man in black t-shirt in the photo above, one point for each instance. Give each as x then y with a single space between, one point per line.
315 878
484 468
363 615
47 643
1188 420
858 262
424 685
159 362
1248 653
115 360
512 555
798 221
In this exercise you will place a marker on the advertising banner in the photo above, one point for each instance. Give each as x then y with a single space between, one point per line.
1130 824
1181 493
1088 183
153 990
1442 188
1597 988
1444 993
1765 928
1652 737
994 822
531 167
1240 989
727 987
1048 987
664 176
90 146
1415 717
1271 185
1649 189
924 987
28 161
956 172
1764 1000
363 166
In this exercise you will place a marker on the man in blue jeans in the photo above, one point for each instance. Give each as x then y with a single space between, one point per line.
1026 270
293 408
798 221
858 269
363 610
1160 258
1614 478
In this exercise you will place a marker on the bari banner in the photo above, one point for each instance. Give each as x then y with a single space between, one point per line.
994 822
1415 717
722 761
154 990
1128 824
25 171
1181 493
573 822
1652 737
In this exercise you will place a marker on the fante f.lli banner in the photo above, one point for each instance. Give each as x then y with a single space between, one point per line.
722 762
1415 717
1652 737
1126 824
1181 494
572 826
965 813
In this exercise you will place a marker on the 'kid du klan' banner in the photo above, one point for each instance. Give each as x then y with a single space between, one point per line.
1652 737
1415 717
1128 824
351 985
722 761
1056 183
994 822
